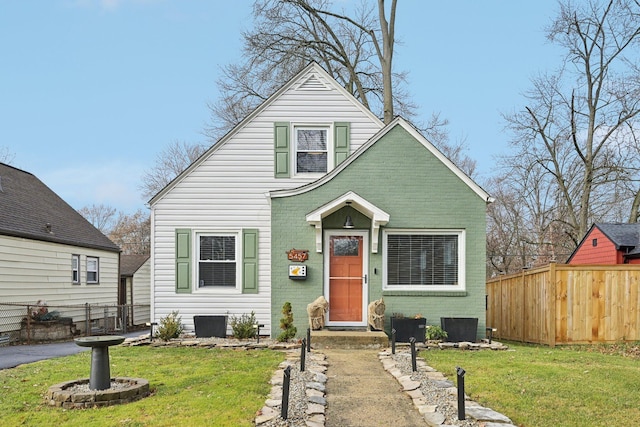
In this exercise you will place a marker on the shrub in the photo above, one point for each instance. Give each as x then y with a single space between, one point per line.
170 327
435 333
244 326
286 324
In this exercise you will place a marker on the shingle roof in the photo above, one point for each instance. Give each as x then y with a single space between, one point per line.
622 235
30 209
129 264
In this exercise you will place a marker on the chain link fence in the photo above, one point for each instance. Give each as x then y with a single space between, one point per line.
40 322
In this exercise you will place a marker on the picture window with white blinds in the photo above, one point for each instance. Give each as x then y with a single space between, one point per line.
424 260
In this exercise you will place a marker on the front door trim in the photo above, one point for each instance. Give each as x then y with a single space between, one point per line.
365 269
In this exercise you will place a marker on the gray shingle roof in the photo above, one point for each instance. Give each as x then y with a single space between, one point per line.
30 209
622 235
129 264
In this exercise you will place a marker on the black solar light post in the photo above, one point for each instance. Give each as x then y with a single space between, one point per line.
393 341
284 412
303 347
460 374
412 340
309 340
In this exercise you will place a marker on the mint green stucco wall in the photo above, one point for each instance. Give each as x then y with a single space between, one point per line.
400 176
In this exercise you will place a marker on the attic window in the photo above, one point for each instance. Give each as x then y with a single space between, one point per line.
594 242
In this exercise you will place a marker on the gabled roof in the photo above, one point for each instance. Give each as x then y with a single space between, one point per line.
622 235
625 237
398 121
129 264
30 209
312 75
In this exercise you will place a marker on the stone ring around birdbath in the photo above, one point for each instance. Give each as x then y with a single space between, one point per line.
100 376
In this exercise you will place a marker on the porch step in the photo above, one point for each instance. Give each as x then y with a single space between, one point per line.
349 339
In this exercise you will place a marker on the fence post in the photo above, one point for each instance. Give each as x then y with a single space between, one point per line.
87 321
28 324
552 305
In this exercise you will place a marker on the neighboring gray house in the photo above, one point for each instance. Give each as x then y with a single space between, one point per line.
313 195
135 287
48 251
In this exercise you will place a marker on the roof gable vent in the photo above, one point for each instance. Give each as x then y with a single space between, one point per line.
313 82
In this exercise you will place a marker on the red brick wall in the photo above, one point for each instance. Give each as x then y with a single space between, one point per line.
604 253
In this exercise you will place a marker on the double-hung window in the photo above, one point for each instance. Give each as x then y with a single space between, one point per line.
424 260
217 261
311 149
93 265
75 269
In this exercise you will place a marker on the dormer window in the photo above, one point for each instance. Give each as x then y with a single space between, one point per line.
311 149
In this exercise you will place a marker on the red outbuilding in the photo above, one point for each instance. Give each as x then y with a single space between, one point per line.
609 243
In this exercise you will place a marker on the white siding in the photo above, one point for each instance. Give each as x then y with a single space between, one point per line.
227 192
141 289
32 270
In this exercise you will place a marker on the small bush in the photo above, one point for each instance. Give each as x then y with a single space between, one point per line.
170 327
244 326
435 333
286 324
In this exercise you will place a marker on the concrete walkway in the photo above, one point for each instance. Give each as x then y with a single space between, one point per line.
360 373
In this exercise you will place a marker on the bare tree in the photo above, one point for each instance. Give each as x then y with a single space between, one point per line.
133 233
572 136
175 158
101 216
6 156
357 50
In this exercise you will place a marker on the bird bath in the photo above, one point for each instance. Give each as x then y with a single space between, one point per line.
100 377
100 389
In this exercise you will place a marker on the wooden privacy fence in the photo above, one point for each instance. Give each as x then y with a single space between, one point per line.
566 304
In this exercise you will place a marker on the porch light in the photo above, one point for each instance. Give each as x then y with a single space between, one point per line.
348 223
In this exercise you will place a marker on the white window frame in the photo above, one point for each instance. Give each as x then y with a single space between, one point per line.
75 270
238 261
330 147
461 286
96 271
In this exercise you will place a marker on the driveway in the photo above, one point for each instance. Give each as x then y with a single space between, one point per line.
14 355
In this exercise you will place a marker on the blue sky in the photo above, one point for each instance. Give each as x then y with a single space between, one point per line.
91 91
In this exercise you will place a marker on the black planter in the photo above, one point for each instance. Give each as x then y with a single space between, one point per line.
460 328
210 326
407 327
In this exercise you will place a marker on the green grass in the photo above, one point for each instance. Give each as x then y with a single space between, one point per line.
541 386
190 386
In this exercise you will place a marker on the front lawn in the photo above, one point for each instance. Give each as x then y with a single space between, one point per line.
541 386
190 386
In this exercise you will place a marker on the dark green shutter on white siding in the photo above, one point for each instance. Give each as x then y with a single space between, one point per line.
282 164
341 131
183 260
250 261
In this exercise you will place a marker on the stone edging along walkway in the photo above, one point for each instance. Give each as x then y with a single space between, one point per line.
307 402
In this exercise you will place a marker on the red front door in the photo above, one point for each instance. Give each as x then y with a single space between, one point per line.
345 279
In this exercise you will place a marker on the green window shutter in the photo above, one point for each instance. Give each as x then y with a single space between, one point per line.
341 133
250 261
281 150
183 260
